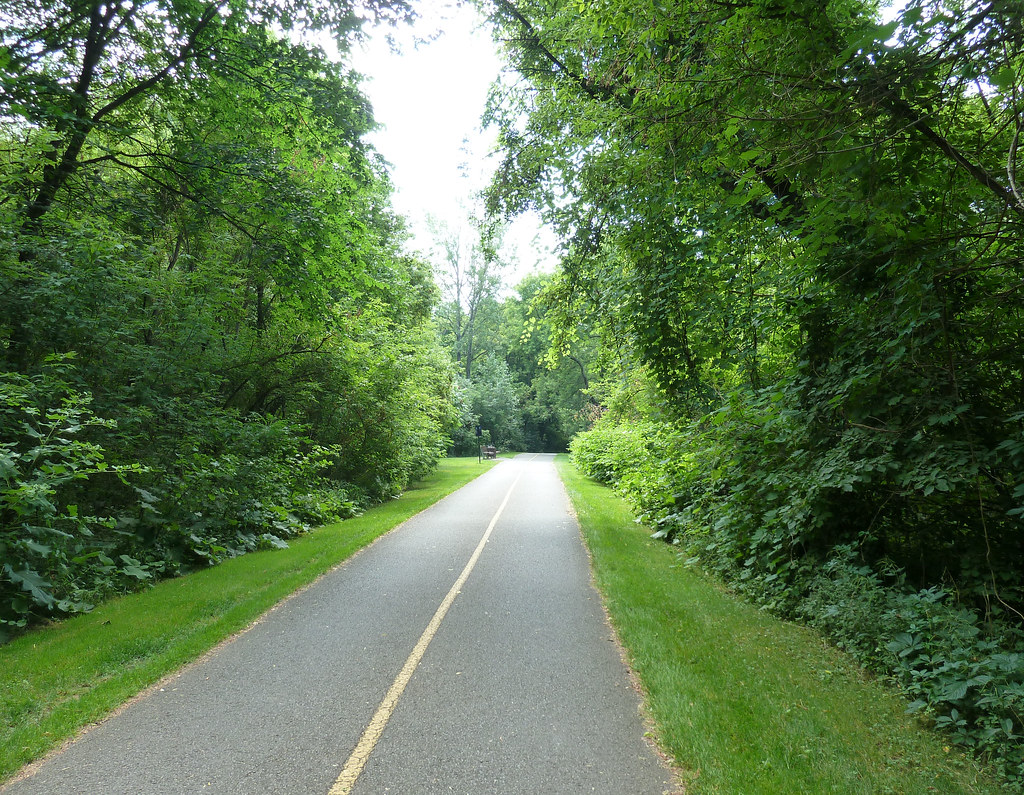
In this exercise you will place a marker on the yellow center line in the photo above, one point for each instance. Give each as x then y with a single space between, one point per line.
357 761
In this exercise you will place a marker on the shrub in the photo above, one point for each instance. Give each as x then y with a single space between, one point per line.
610 452
220 484
81 520
962 673
746 494
56 556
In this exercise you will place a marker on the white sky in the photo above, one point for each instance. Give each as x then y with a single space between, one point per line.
429 98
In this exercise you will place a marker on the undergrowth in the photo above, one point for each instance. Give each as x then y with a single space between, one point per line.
745 494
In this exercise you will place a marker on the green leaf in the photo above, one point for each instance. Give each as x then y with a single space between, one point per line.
1004 79
953 691
32 582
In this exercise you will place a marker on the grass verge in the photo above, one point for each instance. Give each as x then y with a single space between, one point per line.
743 702
58 678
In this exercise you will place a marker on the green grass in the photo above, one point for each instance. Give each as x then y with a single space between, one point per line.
60 677
743 702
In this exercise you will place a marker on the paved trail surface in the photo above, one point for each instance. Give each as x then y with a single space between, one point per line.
520 690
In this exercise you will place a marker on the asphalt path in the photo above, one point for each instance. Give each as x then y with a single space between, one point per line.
518 686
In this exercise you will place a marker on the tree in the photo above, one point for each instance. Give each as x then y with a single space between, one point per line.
73 69
804 225
210 338
776 198
555 366
469 273
495 398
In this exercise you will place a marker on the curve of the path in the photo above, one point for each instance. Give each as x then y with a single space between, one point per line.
521 689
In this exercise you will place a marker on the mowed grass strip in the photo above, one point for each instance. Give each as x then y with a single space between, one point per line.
743 702
58 678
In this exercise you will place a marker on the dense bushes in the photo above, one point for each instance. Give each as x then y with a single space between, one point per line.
54 554
104 486
744 493
168 432
961 670
78 524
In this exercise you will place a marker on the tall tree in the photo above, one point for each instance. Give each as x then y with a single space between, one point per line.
72 68
209 336
555 362
796 212
469 273
799 230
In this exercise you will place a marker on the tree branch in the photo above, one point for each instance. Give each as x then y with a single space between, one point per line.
532 37
57 173
903 110
183 55
236 224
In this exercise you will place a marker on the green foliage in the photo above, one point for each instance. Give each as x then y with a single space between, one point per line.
56 557
511 386
523 394
733 497
609 453
496 402
492 403
469 274
803 228
742 701
556 399
964 673
229 485
189 210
